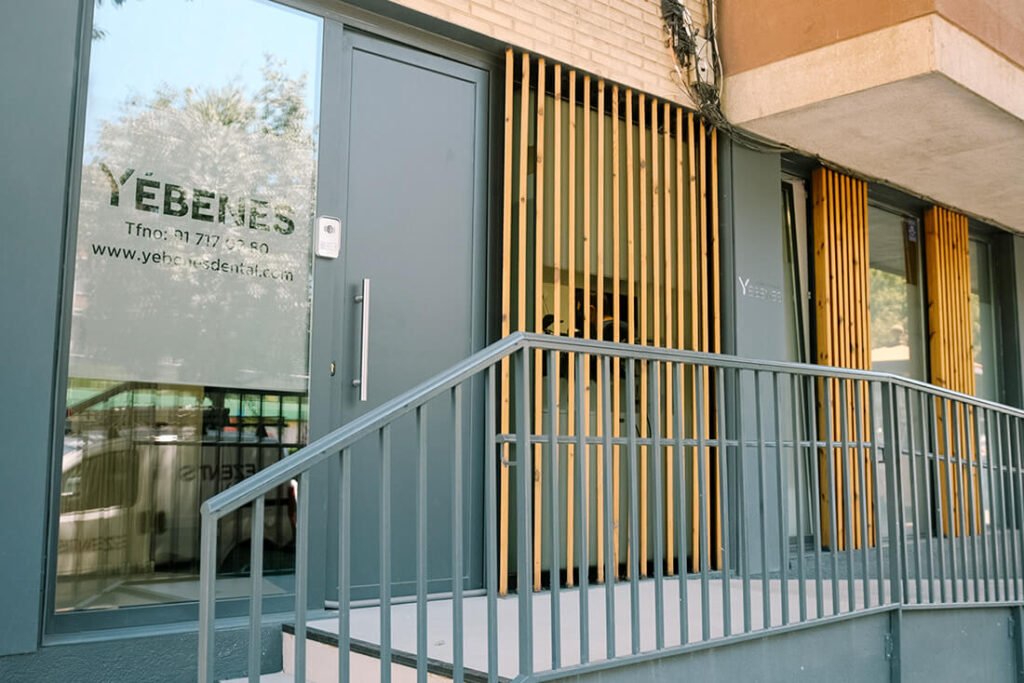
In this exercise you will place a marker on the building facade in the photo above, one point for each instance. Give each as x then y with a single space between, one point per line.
235 226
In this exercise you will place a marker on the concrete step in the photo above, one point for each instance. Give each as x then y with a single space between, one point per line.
364 660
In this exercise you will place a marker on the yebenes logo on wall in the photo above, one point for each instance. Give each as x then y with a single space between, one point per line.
193 263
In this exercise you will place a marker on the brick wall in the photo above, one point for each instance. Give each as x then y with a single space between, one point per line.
620 40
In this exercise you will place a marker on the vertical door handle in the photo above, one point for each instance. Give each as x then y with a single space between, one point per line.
364 340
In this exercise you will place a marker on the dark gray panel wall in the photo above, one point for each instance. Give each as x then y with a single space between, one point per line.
38 51
957 645
852 650
1008 267
754 315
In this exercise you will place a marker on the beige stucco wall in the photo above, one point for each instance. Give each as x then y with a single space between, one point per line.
755 33
620 40
997 23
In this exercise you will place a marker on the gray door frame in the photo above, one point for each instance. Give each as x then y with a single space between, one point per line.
341 389
326 313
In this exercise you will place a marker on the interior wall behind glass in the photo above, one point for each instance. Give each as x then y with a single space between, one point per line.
984 330
898 342
189 334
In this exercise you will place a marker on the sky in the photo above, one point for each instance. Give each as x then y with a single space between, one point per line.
198 44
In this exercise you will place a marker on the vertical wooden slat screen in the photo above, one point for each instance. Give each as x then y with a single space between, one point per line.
607 193
951 356
843 340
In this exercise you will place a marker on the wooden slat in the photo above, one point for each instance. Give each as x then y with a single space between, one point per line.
694 341
951 357
680 302
556 260
936 315
644 228
716 332
538 325
656 299
587 321
823 329
521 291
671 313
616 321
705 335
570 493
506 318
657 302
599 400
843 339
544 255
630 230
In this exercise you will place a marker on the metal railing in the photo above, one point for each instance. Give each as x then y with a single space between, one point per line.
739 497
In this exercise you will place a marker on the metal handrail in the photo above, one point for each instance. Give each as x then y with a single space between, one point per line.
943 417
309 456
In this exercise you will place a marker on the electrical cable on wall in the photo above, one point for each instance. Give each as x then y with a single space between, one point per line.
699 69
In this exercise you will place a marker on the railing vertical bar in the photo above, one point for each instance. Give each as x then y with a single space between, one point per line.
914 497
891 458
943 519
609 493
723 497
554 506
951 527
973 504
978 418
990 450
634 508
301 576
524 498
702 484
766 605
894 512
207 597
847 493
798 478
421 544
1018 485
828 386
583 537
683 527
958 427
997 561
385 548
1013 454
256 588
741 513
814 503
1010 507
457 536
1002 506
657 468
345 566
991 557
928 443
491 494
1006 505
858 453
780 500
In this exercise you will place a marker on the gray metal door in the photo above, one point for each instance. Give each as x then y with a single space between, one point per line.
412 299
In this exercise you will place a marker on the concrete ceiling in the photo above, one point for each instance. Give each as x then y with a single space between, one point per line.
926 134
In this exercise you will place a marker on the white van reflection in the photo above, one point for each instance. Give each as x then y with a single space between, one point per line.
130 503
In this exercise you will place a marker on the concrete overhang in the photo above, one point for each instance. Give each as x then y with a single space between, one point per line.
922 105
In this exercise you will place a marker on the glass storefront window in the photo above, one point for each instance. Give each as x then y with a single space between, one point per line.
983 323
189 337
896 295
